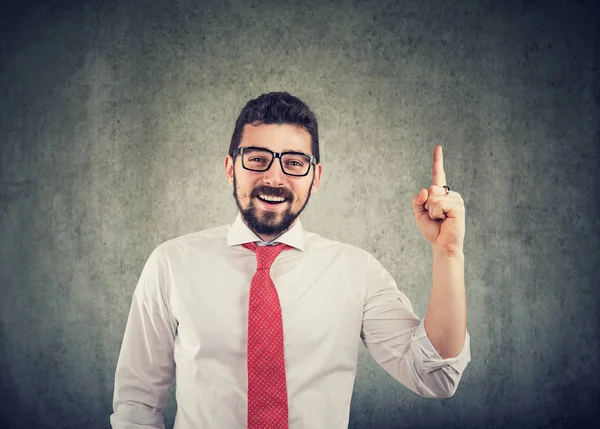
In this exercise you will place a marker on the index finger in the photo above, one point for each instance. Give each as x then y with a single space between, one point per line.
439 176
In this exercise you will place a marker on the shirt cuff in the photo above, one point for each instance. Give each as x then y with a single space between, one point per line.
429 358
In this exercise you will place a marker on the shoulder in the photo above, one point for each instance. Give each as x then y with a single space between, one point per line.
319 244
199 241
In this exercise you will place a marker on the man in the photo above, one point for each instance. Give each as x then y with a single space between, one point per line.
259 320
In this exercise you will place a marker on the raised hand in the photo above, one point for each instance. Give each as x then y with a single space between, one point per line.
440 216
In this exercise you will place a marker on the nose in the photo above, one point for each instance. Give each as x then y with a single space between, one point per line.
274 176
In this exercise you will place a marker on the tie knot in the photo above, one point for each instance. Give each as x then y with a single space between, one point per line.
265 255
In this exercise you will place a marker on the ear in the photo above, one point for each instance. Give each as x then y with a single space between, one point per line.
316 178
229 165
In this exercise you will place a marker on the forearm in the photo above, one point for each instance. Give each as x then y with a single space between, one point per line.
136 416
446 317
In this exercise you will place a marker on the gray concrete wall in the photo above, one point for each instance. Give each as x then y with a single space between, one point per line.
115 118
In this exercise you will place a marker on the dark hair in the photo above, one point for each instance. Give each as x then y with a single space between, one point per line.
277 108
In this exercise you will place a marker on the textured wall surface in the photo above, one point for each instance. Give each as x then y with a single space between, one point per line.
115 118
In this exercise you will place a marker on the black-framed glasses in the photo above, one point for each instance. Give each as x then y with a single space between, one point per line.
260 159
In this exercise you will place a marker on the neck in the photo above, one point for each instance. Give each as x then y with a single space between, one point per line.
269 238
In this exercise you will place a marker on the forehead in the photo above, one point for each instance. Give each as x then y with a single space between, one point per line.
277 137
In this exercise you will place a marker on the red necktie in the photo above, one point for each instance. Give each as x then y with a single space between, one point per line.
267 393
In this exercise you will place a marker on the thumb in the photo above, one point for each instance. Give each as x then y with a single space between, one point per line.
420 198
418 202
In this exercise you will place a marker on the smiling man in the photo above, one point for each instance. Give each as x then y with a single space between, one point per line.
259 320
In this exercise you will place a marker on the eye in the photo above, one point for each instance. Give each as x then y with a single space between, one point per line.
256 159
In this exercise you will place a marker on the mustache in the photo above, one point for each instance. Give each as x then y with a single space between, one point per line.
267 190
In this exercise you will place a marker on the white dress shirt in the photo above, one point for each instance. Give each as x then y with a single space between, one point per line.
189 320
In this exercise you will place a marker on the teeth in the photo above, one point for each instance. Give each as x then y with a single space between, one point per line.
270 198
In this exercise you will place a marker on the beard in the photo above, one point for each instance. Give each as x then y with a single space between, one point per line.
268 223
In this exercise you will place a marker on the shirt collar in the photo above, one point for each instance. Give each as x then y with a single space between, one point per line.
239 233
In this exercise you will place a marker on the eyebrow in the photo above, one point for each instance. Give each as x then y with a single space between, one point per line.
283 150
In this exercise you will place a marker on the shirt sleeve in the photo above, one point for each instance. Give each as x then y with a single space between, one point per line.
146 367
397 340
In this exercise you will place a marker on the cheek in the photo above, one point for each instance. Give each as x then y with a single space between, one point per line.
244 187
301 192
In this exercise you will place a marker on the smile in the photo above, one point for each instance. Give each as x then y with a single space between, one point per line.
271 199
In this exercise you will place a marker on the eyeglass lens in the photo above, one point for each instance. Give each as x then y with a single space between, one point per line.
259 160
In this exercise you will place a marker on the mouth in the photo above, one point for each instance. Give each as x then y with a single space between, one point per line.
270 201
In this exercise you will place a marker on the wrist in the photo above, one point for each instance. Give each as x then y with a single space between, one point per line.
448 251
